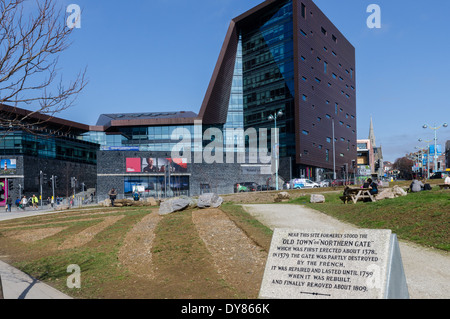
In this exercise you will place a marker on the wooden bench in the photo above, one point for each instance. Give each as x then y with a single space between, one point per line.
357 194
444 186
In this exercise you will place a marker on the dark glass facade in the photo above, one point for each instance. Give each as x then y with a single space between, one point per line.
48 146
268 73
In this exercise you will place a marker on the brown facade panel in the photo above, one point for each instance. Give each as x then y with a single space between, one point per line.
326 90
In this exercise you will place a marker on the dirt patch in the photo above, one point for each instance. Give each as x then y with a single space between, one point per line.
136 252
238 260
268 197
86 235
32 235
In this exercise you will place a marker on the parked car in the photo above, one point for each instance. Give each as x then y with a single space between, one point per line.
265 188
245 187
437 175
325 183
303 183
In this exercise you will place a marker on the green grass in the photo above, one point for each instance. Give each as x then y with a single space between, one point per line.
423 218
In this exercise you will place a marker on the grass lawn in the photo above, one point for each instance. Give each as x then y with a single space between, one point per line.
423 218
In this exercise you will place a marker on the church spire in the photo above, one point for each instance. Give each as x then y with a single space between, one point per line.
371 133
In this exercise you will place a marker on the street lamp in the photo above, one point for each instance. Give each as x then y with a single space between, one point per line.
428 154
435 128
274 117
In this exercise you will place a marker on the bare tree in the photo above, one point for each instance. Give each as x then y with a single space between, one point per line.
32 35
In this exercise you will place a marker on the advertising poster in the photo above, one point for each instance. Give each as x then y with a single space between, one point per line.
8 166
3 191
149 165
156 165
133 165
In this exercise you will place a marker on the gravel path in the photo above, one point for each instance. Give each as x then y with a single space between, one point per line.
427 270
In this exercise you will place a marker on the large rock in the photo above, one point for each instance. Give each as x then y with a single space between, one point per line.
398 191
173 205
386 193
209 200
282 197
394 192
317 198
150 201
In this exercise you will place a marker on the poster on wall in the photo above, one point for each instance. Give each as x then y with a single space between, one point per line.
8 166
156 165
133 165
3 191
149 165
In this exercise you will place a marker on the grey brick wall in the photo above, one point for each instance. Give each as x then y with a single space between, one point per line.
111 171
27 175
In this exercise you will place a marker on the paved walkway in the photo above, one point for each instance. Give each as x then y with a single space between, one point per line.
427 270
18 285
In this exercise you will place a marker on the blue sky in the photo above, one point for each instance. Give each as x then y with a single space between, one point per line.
159 55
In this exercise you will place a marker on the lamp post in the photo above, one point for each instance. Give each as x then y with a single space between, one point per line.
274 117
428 154
435 128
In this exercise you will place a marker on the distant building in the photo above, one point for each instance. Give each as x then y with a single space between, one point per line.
43 143
447 154
370 157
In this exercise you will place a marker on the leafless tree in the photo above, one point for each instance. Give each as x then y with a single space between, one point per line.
32 36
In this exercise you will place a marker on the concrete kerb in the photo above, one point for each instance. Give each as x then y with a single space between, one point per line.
18 285
15 284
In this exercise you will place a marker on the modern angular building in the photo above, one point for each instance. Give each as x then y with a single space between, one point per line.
289 57
282 55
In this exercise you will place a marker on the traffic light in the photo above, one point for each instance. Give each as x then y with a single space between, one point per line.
73 182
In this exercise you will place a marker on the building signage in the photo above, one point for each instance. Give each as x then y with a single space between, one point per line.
156 165
256 169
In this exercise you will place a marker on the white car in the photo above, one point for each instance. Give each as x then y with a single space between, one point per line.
303 183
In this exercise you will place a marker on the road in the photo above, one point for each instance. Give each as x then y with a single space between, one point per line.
427 270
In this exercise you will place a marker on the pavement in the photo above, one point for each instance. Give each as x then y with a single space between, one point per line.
15 283
426 269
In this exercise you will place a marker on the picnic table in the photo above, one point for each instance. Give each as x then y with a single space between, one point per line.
357 194
444 186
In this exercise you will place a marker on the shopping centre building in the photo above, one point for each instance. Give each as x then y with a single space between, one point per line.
282 63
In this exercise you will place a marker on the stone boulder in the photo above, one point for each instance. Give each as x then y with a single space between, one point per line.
282 197
151 201
398 191
209 200
317 198
386 193
394 192
173 205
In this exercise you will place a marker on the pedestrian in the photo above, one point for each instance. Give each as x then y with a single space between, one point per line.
136 196
9 203
17 203
112 196
24 202
34 202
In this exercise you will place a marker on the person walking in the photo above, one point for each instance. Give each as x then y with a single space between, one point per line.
8 204
34 202
23 202
112 196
